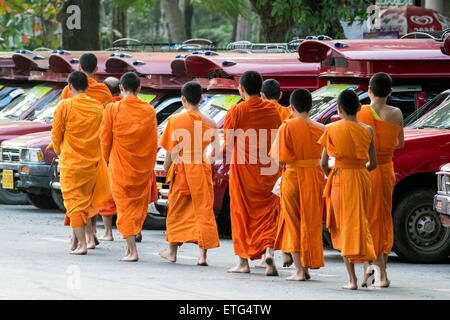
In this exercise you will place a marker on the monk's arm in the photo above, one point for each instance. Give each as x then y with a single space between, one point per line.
373 162
401 134
169 160
324 162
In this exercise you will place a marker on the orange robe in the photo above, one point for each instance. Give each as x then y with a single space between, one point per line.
383 180
96 90
348 191
109 208
129 143
302 185
253 207
84 176
190 216
285 113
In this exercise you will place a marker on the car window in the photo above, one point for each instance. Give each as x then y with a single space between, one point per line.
438 118
9 96
24 102
430 105
405 101
325 97
46 113
164 113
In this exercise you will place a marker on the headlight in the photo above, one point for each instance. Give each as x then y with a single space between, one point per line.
31 155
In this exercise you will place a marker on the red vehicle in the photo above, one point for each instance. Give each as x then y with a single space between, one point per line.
419 236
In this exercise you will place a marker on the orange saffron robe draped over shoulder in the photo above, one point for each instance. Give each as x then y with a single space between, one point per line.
383 180
84 176
109 208
129 143
302 185
254 209
285 113
96 90
190 216
348 190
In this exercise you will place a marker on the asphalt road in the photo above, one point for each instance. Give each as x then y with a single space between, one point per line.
35 264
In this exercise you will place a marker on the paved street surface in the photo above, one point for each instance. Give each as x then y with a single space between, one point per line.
35 264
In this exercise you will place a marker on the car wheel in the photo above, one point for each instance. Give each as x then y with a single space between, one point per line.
42 201
58 199
224 220
12 197
154 222
418 233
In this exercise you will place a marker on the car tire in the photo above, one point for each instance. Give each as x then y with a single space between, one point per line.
42 201
154 222
12 197
58 199
418 234
224 219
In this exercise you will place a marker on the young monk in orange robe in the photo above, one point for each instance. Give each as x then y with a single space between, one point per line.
129 143
348 189
101 93
190 216
249 127
84 177
97 91
387 125
271 91
297 150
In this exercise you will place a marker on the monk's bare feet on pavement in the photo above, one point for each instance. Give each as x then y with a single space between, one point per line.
91 244
202 258
382 284
271 269
287 260
350 286
73 243
132 257
80 250
298 276
166 254
106 237
242 267
262 264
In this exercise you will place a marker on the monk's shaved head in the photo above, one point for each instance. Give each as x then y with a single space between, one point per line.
192 91
88 62
252 82
271 89
381 84
113 85
301 100
130 82
79 81
349 102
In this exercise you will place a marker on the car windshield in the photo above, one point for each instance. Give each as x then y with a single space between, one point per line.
324 97
45 114
15 109
437 119
431 105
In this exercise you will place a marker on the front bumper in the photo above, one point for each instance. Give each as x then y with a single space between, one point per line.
15 167
442 206
34 178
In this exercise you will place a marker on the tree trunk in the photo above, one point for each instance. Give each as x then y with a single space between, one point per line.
85 35
175 20
188 11
119 22
271 29
242 29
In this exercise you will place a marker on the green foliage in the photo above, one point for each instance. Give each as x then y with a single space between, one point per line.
29 24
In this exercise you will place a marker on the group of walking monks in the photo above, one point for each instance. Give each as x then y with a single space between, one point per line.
108 145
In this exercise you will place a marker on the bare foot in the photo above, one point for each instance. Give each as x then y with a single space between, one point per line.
239 269
202 264
382 284
165 254
297 277
287 260
262 264
79 251
91 245
73 243
106 238
271 269
350 286
130 258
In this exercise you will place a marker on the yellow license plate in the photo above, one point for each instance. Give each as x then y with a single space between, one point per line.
8 179
439 204
159 185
